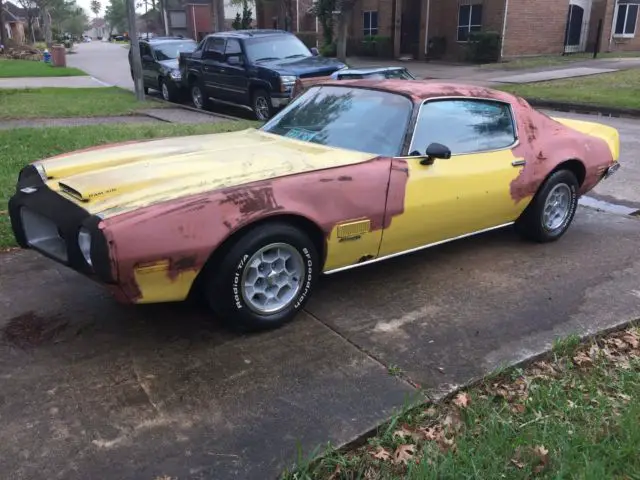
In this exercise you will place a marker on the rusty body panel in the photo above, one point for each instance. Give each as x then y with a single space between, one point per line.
185 232
165 206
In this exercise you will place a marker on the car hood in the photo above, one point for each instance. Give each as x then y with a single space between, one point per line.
113 179
304 66
170 64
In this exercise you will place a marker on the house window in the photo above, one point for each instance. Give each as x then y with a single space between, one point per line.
469 20
626 17
370 22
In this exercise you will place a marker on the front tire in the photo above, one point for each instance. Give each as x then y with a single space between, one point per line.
198 96
264 279
168 91
550 213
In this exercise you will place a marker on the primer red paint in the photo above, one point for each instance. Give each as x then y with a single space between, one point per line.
187 230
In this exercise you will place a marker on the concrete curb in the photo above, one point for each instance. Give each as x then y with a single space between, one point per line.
584 108
535 357
192 109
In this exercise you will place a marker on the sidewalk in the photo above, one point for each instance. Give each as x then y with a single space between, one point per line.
56 82
474 74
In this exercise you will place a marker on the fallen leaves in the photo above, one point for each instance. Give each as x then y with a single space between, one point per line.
404 453
542 455
381 453
462 400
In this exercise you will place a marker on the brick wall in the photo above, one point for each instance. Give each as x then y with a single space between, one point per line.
535 27
444 22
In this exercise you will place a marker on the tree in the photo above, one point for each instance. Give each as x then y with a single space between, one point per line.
3 32
95 7
116 15
31 12
346 8
243 22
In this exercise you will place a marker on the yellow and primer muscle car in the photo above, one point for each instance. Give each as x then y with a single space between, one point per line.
351 172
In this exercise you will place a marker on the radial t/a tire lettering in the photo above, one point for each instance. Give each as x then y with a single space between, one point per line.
552 209
264 279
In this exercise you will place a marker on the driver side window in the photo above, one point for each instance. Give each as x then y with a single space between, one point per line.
464 125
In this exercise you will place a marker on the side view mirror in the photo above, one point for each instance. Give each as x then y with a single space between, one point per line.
314 51
234 60
435 150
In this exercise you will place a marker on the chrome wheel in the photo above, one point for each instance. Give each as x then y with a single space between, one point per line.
196 97
557 207
165 92
272 278
262 108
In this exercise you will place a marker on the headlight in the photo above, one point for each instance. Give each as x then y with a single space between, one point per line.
175 74
287 82
84 242
41 172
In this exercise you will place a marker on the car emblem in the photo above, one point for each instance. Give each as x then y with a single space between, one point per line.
28 189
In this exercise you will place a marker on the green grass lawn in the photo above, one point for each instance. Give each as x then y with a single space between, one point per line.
30 68
69 102
21 146
617 89
575 414
553 60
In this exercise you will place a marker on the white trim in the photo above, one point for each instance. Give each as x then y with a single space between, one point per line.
626 17
417 249
471 6
504 28
426 30
364 27
297 16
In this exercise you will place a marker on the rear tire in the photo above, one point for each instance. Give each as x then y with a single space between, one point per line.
552 209
261 105
264 279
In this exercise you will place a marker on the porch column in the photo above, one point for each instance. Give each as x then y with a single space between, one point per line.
397 28
424 27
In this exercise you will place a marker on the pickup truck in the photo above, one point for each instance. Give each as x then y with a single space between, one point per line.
252 69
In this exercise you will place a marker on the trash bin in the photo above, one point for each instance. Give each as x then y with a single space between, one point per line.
59 56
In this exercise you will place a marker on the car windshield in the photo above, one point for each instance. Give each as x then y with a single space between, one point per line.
171 50
346 117
275 47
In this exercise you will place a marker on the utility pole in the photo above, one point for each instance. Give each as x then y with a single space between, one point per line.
135 50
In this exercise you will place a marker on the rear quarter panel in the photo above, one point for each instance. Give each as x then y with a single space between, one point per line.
158 251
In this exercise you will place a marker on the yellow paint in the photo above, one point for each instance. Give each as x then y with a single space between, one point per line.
123 178
342 252
155 285
453 197
594 129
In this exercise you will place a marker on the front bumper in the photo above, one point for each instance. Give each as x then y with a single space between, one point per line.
45 221
611 170
280 101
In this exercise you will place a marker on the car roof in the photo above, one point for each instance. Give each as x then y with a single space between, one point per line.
166 40
419 90
249 33
367 70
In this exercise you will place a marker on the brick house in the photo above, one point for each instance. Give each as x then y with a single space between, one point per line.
420 28
195 18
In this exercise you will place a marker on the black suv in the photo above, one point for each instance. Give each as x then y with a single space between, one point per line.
253 69
160 70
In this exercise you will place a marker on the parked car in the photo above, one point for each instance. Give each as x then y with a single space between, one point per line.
372 73
249 219
160 70
252 69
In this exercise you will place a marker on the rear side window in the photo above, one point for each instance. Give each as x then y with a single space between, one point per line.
464 126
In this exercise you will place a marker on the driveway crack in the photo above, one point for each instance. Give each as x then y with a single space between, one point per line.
143 385
396 373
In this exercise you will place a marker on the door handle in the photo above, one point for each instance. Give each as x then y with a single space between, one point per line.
520 162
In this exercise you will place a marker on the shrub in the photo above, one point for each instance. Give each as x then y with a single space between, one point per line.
328 50
484 47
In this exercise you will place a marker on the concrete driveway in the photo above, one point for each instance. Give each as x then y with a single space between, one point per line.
93 389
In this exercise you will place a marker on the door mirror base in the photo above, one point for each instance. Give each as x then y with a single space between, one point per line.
433 151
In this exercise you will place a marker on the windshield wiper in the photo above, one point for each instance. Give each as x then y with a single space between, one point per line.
267 58
296 55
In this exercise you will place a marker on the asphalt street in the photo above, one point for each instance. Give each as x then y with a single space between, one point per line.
93 389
